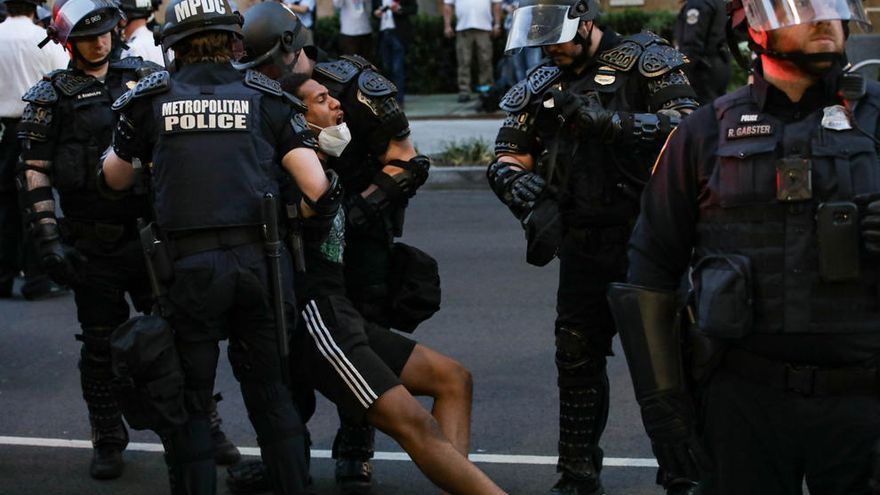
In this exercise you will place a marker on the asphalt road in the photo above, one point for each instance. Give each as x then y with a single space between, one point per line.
497 319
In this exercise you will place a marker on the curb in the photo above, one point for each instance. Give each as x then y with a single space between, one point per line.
441 178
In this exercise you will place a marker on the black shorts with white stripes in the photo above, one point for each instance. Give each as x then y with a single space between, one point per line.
349 360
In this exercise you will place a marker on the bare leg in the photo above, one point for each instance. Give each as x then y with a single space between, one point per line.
399 415
429 373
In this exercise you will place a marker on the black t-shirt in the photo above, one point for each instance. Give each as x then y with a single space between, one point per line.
324 274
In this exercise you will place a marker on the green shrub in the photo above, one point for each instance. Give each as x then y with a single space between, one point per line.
430 57
465 152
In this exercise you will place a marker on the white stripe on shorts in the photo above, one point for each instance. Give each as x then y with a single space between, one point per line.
334 355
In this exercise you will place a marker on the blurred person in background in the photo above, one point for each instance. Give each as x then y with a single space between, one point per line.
476 23
22 64
355 30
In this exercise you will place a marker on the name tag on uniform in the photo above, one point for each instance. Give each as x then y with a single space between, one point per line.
223 115
836 118
751 130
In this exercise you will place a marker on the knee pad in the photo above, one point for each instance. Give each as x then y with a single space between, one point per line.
580 360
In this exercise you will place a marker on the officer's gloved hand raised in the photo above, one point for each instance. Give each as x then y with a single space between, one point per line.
588 116
869 211
62 263
670 422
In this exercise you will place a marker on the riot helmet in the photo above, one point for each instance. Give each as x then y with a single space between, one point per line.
74 19
769 15
137 9
548 22
185 18
270 31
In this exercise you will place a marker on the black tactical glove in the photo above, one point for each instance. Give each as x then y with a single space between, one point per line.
591 118
61 262
869 210
670 423
517 189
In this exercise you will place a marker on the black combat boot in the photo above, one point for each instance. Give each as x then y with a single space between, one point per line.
225 452
353 449
582 416
109 436
190 458
107 463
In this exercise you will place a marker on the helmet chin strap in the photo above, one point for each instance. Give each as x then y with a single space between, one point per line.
585 43
85 61
803 61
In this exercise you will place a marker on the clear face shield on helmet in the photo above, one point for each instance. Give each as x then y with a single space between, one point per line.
539 25
767 15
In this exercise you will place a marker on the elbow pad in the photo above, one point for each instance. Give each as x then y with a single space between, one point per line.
328 204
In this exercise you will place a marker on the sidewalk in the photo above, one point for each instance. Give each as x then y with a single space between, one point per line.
446 106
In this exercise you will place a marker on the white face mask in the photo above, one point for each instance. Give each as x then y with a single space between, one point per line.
333 140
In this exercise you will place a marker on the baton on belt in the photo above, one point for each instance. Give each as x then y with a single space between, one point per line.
272 246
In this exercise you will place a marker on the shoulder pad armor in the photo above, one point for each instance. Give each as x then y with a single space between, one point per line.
341 71
541 77
71 84
297 104
42 93
259 81
360 62
660 58
155 83
646 38
516 97
371 83
141 67
623 56
127 63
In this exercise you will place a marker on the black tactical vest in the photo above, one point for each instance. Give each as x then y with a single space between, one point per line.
85 130
739 213
212 165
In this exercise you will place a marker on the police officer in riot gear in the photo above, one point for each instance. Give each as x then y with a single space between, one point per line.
579 138
768 199
65 127
379 169
700 34
213 139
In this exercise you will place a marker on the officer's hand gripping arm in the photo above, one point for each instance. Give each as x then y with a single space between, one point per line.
392 187
321 191
650 335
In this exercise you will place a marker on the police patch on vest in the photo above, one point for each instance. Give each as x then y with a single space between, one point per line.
745 131
693 16
189 8
205 115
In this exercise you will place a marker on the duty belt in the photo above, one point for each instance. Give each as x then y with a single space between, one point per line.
107 232
197 241
803 379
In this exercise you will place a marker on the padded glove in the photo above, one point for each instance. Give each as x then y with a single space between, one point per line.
590 118
670 423
62 263
517 189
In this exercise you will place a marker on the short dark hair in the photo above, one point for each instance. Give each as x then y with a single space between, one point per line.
16 9
208 46
293 82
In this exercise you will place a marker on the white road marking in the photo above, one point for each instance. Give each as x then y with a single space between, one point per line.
325 454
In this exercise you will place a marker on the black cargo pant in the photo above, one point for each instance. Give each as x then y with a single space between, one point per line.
112 269
225 293
589 260
766 441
